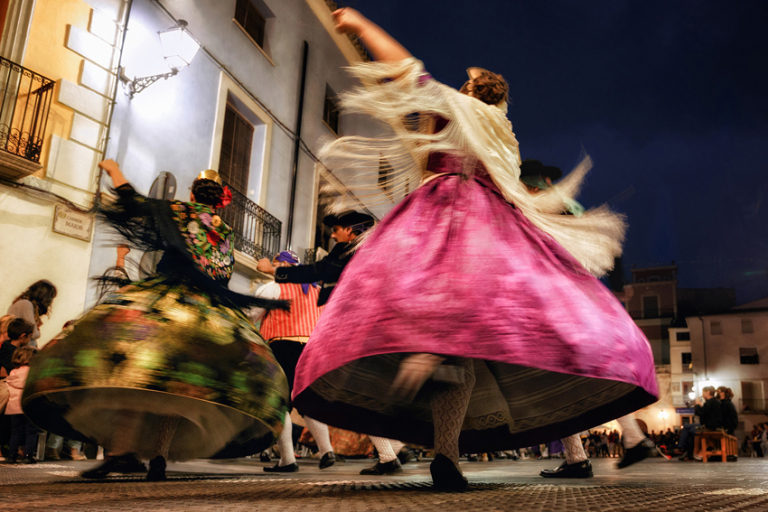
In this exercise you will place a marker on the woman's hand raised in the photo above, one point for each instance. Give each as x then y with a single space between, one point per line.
349 21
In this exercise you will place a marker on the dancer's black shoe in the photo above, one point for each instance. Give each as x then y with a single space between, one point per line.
327 460
127 463
637 453
582 469
446 476
288 468
383 468
156 471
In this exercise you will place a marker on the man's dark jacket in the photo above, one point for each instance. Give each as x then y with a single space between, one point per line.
328 270
710 414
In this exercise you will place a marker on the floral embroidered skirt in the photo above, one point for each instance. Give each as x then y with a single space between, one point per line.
159 353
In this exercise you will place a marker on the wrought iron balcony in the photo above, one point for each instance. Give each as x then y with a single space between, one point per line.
25 100
257 232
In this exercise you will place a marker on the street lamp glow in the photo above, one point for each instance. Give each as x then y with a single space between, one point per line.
179 48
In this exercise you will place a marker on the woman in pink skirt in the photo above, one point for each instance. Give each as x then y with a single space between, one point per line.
469 318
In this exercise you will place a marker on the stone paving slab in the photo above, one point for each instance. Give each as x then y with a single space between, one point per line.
223 486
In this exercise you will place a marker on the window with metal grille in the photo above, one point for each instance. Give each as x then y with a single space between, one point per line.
748 355
686 359
331 110
251 20
236 141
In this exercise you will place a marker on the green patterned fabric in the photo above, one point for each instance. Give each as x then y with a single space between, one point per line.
151 340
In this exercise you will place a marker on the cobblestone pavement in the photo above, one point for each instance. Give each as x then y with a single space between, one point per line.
653 485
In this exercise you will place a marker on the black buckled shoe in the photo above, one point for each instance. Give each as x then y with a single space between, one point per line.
288 468
385 468
637 453
446 476
327 460
582 469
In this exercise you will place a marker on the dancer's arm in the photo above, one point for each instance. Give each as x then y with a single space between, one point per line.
113 169
383 47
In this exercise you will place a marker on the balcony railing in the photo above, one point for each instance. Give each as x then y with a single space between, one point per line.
754 405
257 232
25 100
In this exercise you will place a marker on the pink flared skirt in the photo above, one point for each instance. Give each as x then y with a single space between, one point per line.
456 270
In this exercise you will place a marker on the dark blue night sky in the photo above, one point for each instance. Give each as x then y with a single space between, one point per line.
669 97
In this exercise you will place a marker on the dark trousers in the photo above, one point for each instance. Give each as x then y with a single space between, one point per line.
687 435
287 353
23 432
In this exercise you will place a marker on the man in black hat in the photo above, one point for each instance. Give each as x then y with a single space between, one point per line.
345 227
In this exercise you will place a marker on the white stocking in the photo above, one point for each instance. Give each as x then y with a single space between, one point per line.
320 433
574 450
285 442
630 431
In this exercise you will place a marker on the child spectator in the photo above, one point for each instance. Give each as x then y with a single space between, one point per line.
23 431
18 334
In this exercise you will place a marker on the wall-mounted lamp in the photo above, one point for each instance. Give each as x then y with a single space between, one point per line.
179 48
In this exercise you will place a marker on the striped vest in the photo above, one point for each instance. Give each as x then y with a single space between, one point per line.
299 321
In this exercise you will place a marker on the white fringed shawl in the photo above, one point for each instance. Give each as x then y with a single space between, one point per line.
377 169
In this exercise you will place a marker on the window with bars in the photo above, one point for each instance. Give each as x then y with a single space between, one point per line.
686 359
251 20
650 306
236 142
331 110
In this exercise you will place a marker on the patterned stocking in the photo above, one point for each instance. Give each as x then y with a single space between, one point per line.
574 450
386 448
167 429
449 406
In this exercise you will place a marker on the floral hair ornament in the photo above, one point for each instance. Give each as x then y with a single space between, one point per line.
226 198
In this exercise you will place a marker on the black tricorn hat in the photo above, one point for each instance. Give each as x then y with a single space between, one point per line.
533 168
349 219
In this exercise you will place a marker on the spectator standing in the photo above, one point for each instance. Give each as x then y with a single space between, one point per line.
23 431
34 303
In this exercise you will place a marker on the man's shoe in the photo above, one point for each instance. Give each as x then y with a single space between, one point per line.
29 460
288 468
446 476
327 460
156 471
582 469
264 456
636 453
385 468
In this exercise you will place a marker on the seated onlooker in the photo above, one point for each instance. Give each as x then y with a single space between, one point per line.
23 431
710 419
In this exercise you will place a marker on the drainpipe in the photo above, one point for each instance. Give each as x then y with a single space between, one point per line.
126 16
297 145
704 343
